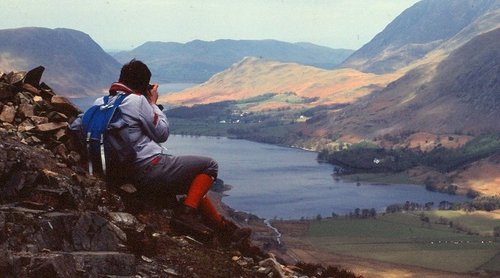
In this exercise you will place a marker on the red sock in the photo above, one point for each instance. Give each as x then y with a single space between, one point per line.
208 209
199 187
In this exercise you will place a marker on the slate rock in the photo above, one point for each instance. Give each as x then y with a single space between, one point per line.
274 265
30 88
51 126
61 135
5 92
94 233
37 120
52 265
124 220
53 231
13 185
8 114
38 100
46 91
34 76
26 110
16 78
26 125
61 150
98 264
63 105
55 116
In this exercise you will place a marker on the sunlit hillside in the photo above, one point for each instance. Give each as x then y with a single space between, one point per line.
253 77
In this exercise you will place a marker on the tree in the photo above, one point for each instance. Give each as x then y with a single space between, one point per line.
423 217
357 212
496 231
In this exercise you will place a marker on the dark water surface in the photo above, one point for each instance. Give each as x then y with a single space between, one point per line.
272 181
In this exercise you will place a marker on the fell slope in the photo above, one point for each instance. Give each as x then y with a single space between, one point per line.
75 65
458 95
421 29
253 77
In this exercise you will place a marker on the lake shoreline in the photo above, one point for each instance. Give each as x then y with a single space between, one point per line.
289 183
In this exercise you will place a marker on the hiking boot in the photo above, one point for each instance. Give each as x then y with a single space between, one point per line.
186 219
230 233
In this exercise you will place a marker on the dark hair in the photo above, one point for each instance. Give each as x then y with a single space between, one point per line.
135 75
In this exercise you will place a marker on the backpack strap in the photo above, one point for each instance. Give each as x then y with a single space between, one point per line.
103 156
89 115
107 105
91 169
96 130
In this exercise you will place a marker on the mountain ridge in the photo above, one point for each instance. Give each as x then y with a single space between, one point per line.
196 61
416 32
76 65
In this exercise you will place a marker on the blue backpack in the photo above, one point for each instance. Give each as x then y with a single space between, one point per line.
104 137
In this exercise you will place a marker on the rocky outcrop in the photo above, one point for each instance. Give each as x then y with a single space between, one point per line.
57 221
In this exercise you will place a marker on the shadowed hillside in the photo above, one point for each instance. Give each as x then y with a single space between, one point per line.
75 65
197 61
459 95
419 30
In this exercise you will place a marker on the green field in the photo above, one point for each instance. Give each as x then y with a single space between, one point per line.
475 222
403 238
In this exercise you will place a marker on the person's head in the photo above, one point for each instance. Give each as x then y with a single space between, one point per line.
135 75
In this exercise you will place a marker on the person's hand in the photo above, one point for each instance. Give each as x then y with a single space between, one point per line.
153 94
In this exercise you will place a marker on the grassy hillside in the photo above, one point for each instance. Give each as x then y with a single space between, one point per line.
252 77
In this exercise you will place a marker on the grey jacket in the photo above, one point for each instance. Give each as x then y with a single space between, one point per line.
148 125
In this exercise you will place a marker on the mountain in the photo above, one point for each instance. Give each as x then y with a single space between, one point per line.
459 95
197 61
421 29
449 90
447 111
252 77
76 65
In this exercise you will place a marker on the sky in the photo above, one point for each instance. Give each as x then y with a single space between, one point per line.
126 24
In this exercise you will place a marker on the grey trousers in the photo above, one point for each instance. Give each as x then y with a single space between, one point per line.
174 174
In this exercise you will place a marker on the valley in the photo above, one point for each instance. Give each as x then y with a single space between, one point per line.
433 120
411 244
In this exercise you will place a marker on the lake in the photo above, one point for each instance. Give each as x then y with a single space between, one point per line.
164 89
272 181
